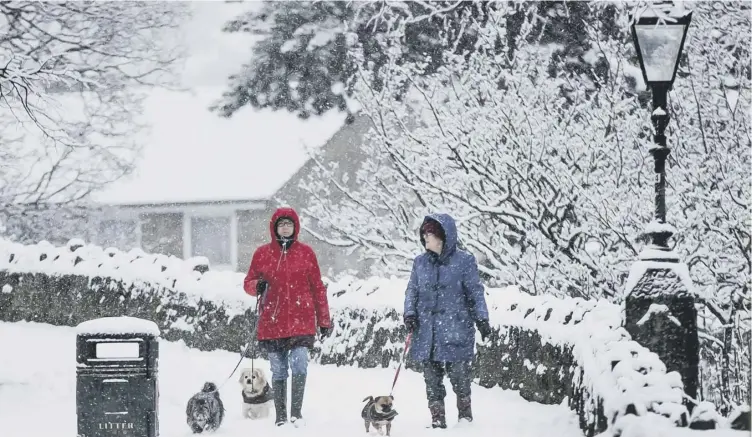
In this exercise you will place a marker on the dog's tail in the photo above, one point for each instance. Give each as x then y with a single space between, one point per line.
368 398
209 387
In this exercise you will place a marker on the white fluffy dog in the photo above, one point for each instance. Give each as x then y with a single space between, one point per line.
257 394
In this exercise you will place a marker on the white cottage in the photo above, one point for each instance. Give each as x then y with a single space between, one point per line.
204 185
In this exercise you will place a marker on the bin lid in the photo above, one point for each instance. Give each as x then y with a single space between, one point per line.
118 325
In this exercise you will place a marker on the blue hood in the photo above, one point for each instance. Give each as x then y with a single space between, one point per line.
450 233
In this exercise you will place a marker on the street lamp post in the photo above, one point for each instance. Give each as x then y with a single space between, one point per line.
659 302
659 46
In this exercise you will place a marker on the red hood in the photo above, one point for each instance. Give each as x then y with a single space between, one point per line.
284 212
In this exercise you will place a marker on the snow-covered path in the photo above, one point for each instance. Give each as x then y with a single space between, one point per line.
37 395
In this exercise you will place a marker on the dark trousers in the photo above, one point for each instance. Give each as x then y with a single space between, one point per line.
459 375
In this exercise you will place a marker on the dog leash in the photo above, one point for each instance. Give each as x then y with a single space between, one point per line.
251 342
253 350
261 299
404 356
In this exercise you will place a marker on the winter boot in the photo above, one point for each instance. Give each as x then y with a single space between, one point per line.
297 391
280 401
438 414
464 409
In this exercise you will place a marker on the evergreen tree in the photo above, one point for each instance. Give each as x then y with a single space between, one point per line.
303 62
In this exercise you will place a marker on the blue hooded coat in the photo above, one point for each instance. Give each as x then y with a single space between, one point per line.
446 295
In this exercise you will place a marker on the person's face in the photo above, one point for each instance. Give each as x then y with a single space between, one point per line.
285 228
433 243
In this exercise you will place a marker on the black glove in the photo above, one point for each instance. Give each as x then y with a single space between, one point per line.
325 332
411 323
261 286
484 327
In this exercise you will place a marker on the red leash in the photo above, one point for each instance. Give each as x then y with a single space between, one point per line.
404 355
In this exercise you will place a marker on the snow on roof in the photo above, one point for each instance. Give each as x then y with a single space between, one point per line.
193 155
118 325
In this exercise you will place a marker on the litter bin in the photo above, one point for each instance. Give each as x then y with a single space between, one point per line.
117 391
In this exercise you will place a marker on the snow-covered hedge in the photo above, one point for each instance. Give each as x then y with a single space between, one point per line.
657 426
209 310
549 349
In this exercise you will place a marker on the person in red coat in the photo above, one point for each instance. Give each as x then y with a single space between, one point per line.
285 276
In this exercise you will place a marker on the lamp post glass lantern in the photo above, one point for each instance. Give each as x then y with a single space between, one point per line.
659 48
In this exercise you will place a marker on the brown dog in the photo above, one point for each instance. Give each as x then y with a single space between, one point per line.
379 412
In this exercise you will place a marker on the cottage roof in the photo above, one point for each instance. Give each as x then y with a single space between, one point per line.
194 155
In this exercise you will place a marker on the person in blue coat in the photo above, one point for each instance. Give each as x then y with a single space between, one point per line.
444 302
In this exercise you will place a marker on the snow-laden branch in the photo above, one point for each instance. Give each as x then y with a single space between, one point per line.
72 80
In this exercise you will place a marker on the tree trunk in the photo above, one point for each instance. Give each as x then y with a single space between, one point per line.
728 340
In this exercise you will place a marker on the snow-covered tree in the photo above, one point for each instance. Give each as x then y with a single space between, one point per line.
72 81
300 62
518 161
304 60
550 177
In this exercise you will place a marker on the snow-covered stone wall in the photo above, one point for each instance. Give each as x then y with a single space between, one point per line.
551 350
576 351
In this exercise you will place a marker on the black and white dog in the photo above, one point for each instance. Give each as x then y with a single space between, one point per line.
205 410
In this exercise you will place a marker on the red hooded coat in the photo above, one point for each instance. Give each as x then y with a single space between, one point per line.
295 301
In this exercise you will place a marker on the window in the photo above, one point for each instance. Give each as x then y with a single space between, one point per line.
120 234
162 233
210 237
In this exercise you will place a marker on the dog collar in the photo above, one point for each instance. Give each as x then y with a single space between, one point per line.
374 415
265 396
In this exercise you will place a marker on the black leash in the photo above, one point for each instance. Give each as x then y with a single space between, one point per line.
251 343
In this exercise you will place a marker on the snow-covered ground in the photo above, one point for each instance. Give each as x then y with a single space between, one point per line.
37 395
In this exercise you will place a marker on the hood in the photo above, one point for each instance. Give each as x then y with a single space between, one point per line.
450 233
284 212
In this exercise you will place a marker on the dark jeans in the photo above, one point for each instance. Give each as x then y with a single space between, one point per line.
459 375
